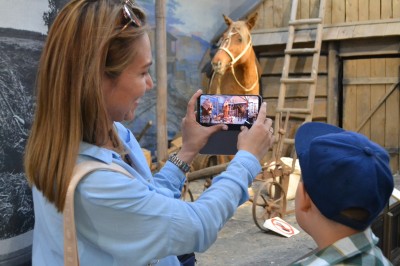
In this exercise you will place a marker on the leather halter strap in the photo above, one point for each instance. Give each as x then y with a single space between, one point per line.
224 47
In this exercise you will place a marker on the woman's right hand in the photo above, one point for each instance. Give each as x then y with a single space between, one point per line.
194 135
259 138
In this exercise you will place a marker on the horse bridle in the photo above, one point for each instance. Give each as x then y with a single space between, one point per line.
224 46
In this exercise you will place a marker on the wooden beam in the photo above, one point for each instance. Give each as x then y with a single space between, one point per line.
202 173
343 31
333 84
161 68
371 81
375 46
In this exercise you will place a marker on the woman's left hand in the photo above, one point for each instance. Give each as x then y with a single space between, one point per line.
194 135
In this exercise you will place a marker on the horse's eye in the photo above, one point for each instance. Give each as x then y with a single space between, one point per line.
240 40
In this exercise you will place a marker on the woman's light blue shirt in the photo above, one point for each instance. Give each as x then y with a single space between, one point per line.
136 221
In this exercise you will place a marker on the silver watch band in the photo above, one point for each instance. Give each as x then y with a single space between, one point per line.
178 162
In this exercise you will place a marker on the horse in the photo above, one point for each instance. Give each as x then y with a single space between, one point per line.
236 69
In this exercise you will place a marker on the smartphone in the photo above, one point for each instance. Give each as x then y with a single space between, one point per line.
232 110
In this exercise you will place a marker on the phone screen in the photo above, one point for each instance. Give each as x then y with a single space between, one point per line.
232 110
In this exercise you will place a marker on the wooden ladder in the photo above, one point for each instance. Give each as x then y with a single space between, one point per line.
280 126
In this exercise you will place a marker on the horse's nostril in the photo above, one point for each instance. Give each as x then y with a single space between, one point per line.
216 65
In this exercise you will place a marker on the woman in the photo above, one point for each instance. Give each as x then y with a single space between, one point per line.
93 71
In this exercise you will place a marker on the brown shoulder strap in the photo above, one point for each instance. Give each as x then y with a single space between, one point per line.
71 257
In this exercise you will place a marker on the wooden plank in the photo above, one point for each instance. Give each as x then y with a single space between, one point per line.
278 13
374 10
390 28
396 8
392 130
371 80
318 112
271 85
287 6
351 10
382 100
298 13
304 7
346 32
363 30
268 14
349 96
274 65
260 20
363 96
314 8
386 9
386 28
376 46
328 12
363 10
338 11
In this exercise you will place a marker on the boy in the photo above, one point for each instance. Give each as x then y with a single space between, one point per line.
346 183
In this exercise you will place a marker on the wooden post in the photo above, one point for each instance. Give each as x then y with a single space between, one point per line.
333 85
161 68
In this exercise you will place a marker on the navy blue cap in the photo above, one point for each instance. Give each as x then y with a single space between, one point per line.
343 170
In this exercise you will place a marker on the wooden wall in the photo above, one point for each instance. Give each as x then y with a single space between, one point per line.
355 73
275 13
296 94
366 83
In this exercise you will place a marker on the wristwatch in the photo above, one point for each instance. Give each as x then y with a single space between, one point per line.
178 162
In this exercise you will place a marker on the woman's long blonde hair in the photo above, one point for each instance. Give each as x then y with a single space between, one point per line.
86 42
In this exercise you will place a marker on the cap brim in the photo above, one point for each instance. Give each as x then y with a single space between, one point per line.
309 131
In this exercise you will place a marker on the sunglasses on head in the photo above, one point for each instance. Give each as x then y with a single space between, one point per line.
128 7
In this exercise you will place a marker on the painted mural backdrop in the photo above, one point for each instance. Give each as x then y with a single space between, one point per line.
23 28
190 26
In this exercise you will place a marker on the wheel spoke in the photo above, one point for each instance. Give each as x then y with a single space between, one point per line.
269 201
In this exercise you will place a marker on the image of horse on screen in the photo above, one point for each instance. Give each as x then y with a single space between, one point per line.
233 110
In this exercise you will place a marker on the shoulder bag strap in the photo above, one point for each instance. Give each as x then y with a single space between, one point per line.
71 257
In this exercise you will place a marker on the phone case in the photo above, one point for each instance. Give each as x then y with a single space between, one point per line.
233 110
222 143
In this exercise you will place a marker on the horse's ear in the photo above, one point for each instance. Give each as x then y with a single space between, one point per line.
228 21
251 21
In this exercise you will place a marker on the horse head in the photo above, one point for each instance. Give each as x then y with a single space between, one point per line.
235 44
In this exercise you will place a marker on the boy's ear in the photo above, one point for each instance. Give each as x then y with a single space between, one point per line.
304 200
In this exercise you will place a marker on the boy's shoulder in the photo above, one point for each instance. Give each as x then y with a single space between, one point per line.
357 249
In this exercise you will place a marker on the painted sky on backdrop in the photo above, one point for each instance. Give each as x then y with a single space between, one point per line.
23 14
197 17
202 17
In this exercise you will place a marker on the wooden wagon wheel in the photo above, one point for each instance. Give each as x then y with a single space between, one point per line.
187 194
269 201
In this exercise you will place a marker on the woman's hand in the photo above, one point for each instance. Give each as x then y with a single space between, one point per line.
194 135
259 138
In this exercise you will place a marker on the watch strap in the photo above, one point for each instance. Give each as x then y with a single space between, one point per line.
185 167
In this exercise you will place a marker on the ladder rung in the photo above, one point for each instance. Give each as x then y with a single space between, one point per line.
301 51
285 140
305 21
297 80
294 110
288 141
